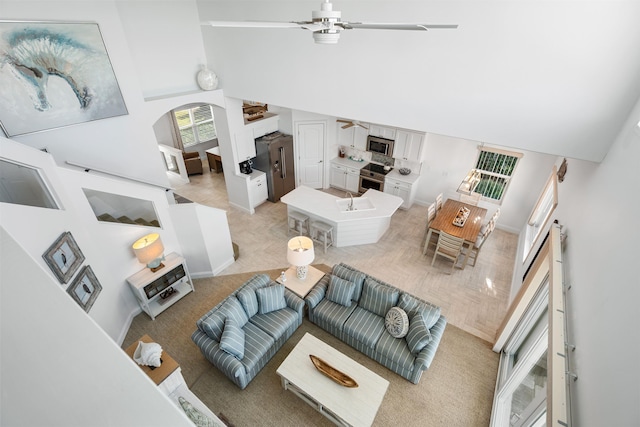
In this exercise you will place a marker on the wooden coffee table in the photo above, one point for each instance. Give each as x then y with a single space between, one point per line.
342 405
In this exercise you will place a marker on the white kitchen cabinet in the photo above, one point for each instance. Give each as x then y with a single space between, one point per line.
245 145
409 146
402 189
338 178
382 131
353 137
258 192
262 127
345 178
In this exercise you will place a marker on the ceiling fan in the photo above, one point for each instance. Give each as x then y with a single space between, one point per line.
351 123
326 25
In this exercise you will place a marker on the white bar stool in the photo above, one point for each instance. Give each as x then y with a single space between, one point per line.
322 233
297 221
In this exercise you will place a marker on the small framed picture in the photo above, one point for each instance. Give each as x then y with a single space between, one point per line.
85 288
64 257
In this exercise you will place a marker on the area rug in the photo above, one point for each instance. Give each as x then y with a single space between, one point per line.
457 390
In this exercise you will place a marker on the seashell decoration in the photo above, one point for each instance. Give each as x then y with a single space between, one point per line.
148 354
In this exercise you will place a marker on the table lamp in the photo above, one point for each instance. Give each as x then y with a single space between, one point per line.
149 250
300 254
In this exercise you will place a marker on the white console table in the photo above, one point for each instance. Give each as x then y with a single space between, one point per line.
158 291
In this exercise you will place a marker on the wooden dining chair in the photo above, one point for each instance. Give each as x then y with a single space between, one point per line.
449 247
470 199
492 221
474 251
431 215
439 202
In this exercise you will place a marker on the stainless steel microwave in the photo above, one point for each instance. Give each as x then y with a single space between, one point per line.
375 144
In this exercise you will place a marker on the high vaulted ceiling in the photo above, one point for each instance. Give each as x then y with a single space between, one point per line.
557 77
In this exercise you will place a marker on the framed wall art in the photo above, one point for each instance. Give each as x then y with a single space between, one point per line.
54 74
85 288
64 257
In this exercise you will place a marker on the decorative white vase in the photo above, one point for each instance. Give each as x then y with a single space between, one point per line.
207 79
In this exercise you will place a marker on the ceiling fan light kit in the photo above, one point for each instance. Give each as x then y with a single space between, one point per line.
326 25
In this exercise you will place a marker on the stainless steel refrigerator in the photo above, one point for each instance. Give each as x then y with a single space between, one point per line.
274 156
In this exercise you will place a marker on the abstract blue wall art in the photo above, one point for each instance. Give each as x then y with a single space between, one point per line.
54 75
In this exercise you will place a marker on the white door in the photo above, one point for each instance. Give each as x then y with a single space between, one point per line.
310 144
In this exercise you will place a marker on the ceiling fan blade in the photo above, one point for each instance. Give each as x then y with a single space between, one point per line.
389 26
347 126
252 24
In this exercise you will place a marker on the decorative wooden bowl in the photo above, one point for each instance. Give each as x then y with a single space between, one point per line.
331 372
461 217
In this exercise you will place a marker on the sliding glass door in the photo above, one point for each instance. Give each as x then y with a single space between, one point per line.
522 380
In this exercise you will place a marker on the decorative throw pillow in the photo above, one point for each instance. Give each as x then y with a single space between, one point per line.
340 291
345 272
233 309
249 301
232 340
377 298
396 322
247 295
412 305
418 336
270 299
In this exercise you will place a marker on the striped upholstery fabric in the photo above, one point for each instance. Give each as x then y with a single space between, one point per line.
395 349
329 313
317 294
413 305
270 298
265 334
232 340
377 297
418 336
348 323
349 273
213 325
247 295
257 344
365 326
276 322
340 291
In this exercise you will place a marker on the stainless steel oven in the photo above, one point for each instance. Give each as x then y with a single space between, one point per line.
367 183
372 177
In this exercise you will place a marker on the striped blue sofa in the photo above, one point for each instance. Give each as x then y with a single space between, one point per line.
243 332
353 306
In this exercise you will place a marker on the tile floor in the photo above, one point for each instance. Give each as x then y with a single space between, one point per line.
474 299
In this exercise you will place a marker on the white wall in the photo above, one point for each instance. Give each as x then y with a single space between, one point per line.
540 76
597 208
448 160
106 246
54 359
108 143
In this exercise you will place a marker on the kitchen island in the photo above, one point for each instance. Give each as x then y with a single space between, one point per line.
366 222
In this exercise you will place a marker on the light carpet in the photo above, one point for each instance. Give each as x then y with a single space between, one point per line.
457 390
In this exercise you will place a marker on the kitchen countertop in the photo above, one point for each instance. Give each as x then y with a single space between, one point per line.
253 175
347 162
324 205
410 179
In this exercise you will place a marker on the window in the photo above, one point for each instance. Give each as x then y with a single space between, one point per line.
541 213
492 173
24 185
194 125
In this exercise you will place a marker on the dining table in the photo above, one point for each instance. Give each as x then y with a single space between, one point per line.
444 221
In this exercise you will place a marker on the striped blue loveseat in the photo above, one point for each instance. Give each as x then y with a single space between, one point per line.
353 307
243 332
